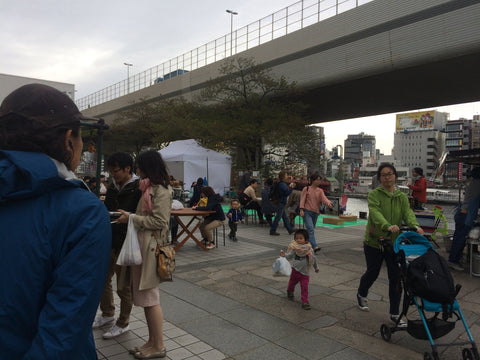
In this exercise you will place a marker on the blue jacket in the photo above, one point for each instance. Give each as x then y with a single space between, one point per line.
283 190
236 215
55 243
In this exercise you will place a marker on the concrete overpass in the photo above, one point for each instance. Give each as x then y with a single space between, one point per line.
384 56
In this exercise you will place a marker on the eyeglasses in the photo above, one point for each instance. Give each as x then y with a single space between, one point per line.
114 171
387 174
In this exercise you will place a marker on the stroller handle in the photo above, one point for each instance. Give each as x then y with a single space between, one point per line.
386 244
407 228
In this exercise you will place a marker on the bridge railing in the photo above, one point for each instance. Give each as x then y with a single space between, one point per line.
285 21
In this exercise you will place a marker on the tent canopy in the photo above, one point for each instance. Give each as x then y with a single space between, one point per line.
188 161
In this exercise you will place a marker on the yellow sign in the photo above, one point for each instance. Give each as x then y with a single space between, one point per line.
415 121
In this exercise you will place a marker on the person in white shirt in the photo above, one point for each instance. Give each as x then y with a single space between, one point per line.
254 203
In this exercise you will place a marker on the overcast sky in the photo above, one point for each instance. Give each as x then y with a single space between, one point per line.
86 43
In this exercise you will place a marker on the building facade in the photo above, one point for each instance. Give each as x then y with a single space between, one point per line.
8 83
419 140
357 147
461 134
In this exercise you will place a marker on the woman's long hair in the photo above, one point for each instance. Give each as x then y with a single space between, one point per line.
150 162
208 191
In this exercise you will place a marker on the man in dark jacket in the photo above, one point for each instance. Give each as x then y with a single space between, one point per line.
123 193
245 179
284 191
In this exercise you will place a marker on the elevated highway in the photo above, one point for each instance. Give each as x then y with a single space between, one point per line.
384 56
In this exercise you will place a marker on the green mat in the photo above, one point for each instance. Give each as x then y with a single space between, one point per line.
299 220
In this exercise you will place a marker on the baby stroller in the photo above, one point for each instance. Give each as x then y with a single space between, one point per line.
427 283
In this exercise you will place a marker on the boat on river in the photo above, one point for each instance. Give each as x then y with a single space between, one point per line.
440 196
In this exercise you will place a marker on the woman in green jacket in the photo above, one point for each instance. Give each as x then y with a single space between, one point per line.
388 209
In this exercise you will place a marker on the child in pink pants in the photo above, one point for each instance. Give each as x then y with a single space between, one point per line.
300 251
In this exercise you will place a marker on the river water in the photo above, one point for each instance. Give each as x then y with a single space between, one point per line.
356 205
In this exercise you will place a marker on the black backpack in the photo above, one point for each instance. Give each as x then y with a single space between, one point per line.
244 199
274 194
429 277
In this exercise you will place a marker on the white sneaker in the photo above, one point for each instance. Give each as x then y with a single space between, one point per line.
401 324
115 331
362 302
102 320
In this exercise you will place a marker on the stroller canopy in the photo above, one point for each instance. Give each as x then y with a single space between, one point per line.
412 243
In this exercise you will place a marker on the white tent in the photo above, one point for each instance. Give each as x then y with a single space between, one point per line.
188 161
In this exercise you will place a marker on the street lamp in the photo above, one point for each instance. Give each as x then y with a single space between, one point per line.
340 170
231 12
128 76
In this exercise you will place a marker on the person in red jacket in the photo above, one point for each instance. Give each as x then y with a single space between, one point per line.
419 188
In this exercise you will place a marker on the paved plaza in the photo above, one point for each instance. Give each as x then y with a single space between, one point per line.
226 304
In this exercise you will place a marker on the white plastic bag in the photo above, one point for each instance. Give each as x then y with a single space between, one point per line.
130 253
281 266
176 205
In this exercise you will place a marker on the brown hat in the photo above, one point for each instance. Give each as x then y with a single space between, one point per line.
41 103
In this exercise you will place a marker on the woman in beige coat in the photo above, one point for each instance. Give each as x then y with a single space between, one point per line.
151 219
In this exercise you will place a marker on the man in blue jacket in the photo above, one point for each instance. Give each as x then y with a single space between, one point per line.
284 190
55 239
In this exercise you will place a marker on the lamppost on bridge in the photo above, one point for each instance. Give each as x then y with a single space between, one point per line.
340 167
231 12
128 76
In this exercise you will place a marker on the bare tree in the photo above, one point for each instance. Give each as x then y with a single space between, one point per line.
247 107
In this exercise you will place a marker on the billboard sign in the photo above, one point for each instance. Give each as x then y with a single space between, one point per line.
421 120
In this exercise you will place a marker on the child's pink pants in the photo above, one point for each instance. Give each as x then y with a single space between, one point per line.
296 277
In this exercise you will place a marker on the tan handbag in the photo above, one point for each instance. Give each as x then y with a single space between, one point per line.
165 261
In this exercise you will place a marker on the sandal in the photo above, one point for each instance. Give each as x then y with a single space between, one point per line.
137 349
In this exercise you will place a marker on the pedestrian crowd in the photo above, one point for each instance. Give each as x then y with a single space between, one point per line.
66 242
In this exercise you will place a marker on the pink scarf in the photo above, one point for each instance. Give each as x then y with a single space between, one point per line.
147 205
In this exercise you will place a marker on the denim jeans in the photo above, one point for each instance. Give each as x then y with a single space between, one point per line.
374 258
459 237
281 214
173 227
310 220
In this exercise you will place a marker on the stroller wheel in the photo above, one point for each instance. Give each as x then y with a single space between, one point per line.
432 356
467 354
428 356
385 332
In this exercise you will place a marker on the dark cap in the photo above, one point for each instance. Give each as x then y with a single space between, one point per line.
41 103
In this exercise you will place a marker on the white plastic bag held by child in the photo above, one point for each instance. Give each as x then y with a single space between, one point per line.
281 266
